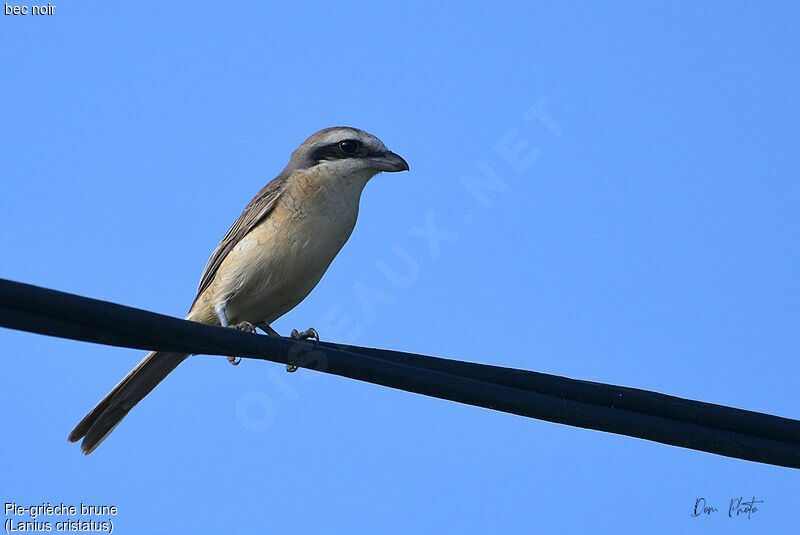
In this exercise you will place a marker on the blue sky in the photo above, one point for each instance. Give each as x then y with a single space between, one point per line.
643 231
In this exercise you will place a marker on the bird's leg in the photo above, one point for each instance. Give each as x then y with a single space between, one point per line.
245 326
264 326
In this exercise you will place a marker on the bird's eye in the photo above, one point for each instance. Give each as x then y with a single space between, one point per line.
349 146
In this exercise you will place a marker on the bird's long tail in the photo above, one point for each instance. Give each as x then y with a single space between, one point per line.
101 420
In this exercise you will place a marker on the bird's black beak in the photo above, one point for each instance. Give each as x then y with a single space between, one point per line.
389 162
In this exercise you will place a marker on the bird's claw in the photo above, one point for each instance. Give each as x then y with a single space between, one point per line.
311 332
244 326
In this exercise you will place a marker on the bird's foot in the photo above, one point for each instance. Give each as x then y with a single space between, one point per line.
244 326
311 332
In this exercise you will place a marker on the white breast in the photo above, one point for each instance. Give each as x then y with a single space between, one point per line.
280 261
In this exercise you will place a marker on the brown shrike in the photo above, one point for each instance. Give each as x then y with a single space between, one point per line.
270 259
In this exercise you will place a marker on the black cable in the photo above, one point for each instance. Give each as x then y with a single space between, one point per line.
628 411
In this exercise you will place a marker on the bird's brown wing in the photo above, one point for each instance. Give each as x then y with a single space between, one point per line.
261 205
101 420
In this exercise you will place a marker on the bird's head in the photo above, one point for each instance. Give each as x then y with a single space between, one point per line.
343 151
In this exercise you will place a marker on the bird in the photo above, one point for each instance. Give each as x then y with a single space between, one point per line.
269 260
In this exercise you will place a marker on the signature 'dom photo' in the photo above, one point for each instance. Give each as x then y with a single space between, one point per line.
523 267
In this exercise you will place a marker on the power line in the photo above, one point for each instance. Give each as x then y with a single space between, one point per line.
627 411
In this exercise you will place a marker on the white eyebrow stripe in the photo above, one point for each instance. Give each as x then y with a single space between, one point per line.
344 133
338 135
